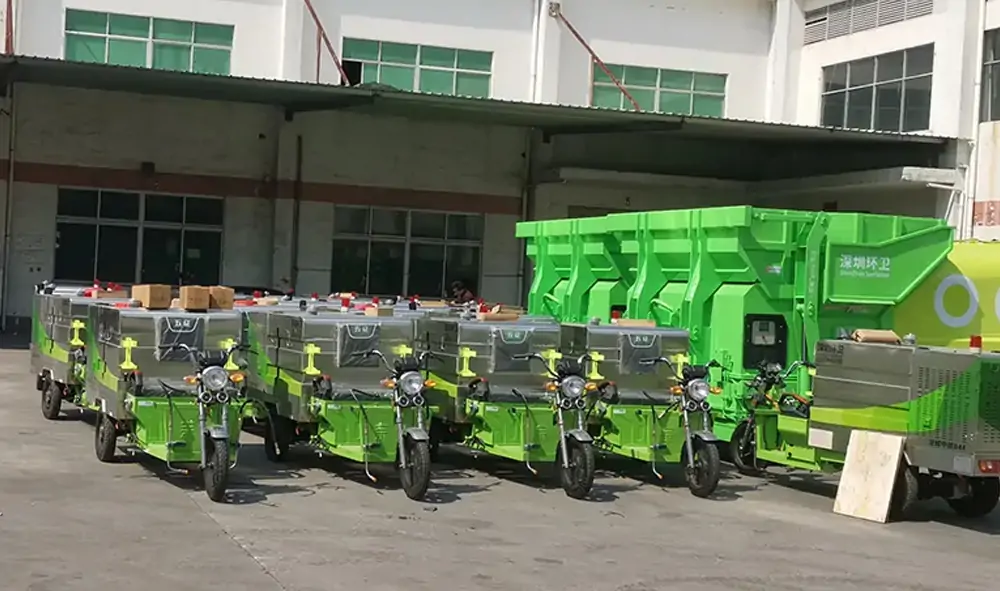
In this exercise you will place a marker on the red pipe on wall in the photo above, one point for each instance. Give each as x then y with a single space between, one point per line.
556 11
8 45
326 41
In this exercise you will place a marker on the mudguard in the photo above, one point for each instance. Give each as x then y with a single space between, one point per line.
41 379
705 436
417 434
218 432
580 435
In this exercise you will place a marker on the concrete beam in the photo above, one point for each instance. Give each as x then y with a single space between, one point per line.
886 177
612 177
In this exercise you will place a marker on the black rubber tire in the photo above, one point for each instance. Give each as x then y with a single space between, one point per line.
216 473
985 493
578 479
417 476
742 457
704 479
905 493
276 450
51 400
105 439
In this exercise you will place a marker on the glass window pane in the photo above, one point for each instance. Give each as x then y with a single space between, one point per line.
123 52
84 48
84 21
203 210
835 78
889 66
166 29
202 257
209 34
888 106
164 208
399 77
676 79
437 81
350 220
168 56
465 227
607 96
834 109
917 104
426 270
427 225
116 253
861 72
77 202
398 53
369 73
859 108
211 61
386 268
990 103
477 61
119 206
360 49
919 60
389 222
75 252
709 105
599 76
675 102
638 76
476 85
161 255
437 56
710 82
128 26
462 264
991 46
350 266
646 97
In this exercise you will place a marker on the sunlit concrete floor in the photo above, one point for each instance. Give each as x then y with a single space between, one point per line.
70 523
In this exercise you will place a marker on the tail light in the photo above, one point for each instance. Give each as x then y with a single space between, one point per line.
989 466
976 342
616 314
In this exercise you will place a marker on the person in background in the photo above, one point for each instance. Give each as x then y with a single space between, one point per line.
461 293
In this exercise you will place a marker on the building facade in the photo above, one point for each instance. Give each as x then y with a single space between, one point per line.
914 66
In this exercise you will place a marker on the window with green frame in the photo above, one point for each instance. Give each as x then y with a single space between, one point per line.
666 91
421 68
145 42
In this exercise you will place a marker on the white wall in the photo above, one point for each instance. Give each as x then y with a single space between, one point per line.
257 42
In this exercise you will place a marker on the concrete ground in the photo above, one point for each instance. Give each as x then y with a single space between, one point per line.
69 523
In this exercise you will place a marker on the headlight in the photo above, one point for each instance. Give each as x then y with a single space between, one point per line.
214 378
411 383
697 390
573 386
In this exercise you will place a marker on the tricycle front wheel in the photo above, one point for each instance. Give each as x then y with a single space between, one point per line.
416 477
51 400
216 473
105 438
703 478
578 478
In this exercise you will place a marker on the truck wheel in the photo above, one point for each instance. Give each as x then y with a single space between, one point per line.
51 401
216 473
416 478
105 438
905 493
578 479
982 499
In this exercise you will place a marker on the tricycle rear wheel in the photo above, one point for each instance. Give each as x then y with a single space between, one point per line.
703 478
744 451
984 493
105 438
578 479
216 473
51 400
416 477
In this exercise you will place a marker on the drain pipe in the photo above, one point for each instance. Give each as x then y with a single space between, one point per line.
536 49
968 210
8 46
296 215
8 207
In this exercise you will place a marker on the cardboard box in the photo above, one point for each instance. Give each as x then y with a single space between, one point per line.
221 297
152 297
633 322
497 316
194 297
118 294
378 311
865 335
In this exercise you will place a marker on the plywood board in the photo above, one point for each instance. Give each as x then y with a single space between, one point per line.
869 475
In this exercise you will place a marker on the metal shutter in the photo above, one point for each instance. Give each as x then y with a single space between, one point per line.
839 20
915 8
815 29
864 15
891 11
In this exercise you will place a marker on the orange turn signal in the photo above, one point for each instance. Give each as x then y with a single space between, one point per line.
430 383
715 390
191 380
236 377
387 383
551 387
590 387
676 390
